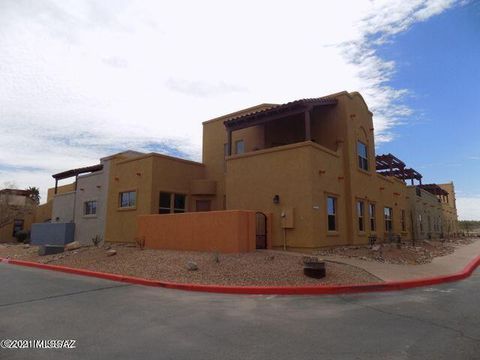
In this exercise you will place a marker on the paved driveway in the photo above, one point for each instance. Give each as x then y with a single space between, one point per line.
118 321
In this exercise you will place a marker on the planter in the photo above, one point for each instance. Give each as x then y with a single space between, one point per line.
314 269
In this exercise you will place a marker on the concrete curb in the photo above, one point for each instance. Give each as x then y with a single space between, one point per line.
263 290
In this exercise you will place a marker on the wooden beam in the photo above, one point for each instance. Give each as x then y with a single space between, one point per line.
308 125
229 142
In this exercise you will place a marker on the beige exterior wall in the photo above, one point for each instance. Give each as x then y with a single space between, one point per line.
146 175
60 190
213 150
63 207
305 173
433 216
91 187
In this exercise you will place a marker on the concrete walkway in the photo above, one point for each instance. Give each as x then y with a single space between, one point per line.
445 265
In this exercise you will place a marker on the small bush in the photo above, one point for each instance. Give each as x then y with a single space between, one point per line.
22 236
96 240
140 242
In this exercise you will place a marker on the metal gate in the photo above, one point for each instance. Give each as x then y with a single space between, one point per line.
261 230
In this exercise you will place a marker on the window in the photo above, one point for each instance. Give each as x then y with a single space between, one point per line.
179 202
362 155
388 214
17 226
404 223
239 147
371 214
90 208
332 213
165 199
361 215
128 199
172 203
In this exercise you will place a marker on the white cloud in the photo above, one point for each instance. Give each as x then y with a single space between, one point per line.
81 79
468 207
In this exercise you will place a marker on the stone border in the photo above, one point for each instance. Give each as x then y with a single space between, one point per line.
263 290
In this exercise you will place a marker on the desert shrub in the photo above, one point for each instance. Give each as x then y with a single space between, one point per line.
140 242
96 240
22 236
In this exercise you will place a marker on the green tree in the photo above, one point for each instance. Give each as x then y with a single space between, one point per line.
34 194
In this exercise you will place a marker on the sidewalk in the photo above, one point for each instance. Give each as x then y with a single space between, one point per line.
444 265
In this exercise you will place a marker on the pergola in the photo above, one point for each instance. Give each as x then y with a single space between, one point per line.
281 111
75 172
390 165
435 190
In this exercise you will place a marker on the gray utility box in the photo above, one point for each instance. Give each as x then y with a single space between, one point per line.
50 249
52 233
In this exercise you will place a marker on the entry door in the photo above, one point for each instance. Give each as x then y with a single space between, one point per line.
261 231
17 226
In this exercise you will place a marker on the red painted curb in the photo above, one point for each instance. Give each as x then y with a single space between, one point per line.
263 290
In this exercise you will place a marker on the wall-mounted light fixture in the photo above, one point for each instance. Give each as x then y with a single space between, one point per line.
276 199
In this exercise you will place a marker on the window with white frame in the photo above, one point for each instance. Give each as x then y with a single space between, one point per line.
361 215
388 215
90 207
128 199
362 152
239 147
332 213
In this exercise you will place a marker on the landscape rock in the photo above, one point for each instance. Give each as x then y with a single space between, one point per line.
376 247
192 266
26 246
111 252
73 246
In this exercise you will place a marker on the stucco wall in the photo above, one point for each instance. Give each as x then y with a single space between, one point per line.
63 207
43 212
306 173
147 175
219 231
91 187
61 189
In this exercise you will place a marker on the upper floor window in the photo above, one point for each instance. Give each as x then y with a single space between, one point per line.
239 147
362 155
332 213
388 213
128 199
361 215
90 208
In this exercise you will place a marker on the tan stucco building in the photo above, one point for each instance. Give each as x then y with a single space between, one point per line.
308 168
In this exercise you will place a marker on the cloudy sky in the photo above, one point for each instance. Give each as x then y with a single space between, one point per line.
82 79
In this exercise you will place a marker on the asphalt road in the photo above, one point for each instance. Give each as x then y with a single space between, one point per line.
112 320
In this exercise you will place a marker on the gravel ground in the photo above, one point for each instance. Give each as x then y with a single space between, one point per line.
258 268
422 253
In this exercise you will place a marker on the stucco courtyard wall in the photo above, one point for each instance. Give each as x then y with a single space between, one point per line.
219 231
